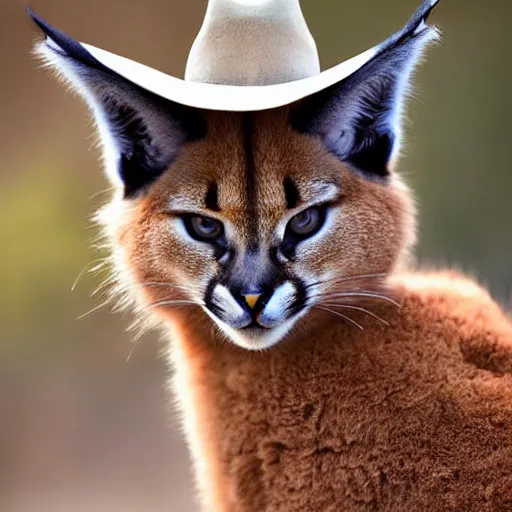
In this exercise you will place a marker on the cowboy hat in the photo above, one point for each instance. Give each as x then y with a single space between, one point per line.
228 68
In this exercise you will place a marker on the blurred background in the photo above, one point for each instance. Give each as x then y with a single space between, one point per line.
83 426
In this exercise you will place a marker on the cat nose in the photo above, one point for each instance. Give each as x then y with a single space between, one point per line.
251 299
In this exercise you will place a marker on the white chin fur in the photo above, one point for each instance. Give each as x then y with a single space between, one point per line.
266 339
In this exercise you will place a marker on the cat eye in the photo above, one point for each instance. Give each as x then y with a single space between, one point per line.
204 229
307 223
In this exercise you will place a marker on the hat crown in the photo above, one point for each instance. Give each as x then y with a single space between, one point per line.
252 42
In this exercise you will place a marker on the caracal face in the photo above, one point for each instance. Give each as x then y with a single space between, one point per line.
258 224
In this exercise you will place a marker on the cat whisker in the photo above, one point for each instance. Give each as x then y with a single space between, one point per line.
337 313
357 308
109 281
163 283
112 281
357 276
94 309
170 302
347 279
101 192
360 294
98 263
135 343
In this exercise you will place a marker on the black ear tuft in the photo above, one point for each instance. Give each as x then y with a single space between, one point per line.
61 41
358 119
142 133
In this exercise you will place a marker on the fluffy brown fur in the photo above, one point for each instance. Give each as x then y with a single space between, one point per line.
412 413
414 416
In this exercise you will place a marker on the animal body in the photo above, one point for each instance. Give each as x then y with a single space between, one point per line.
315 368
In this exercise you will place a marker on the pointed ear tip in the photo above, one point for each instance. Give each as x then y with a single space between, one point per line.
41 24
48 30
50 33
60 43
30 12
40 48
426 8
418 26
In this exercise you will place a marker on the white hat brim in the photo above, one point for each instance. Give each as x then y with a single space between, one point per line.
225 97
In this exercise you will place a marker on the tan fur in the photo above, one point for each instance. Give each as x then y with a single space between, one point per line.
411 415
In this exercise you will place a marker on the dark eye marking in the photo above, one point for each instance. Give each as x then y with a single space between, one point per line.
207 230
291 193
212 198
204 229
307 223
301 227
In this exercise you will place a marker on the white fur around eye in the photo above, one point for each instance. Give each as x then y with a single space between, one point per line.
179 226
324 192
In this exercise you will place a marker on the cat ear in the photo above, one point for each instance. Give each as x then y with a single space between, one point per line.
141 132
359 118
